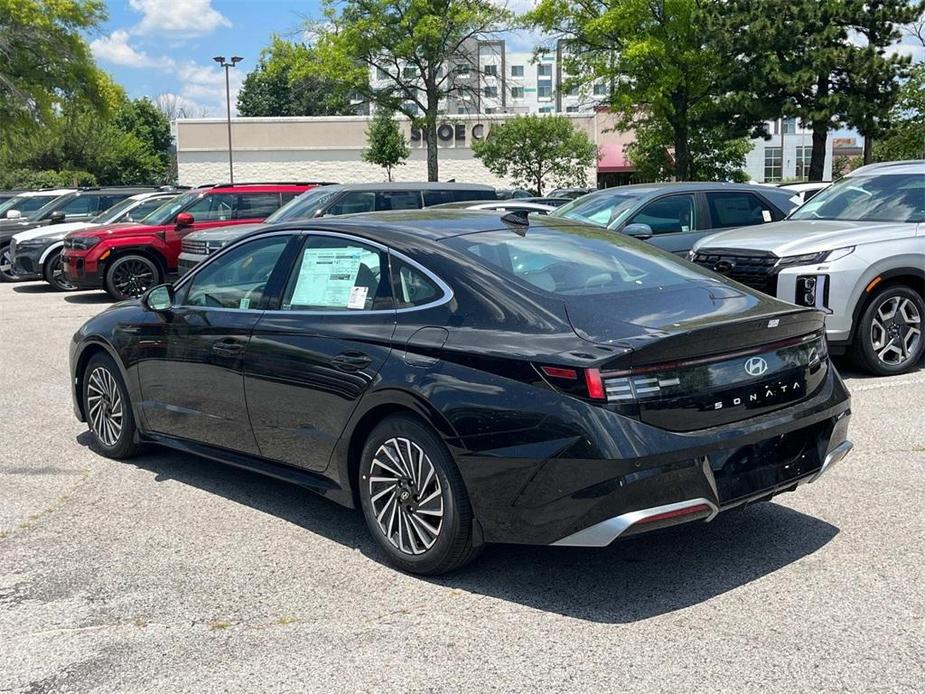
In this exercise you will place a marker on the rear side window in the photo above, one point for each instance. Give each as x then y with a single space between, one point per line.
411 286
576 263
256 205
353 202
440 197
737 210
398 200
337 274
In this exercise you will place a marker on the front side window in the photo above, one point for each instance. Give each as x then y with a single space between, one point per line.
335 274
884 198
80 205
737 210
238 278
213 208
669 215
138 213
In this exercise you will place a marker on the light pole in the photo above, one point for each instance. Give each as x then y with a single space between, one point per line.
220 59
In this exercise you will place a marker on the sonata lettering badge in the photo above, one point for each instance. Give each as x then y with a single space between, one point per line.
762 395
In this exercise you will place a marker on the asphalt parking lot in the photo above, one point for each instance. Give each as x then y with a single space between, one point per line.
171 573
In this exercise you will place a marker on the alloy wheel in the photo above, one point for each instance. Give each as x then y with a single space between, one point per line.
58 278
104 406
133 276
896 330
406 496
6 265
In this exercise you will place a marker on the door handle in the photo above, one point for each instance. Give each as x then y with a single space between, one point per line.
351 361
227 348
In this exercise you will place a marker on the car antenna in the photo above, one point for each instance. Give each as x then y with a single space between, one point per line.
518 219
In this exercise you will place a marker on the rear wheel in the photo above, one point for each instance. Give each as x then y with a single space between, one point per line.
889 337
108 409
413 498
130 276
54 273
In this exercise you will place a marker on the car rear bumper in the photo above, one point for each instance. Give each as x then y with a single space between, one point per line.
676 478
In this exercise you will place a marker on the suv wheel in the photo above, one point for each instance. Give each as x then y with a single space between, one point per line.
108 409
130 276
54 273
889 338
6 266
413 498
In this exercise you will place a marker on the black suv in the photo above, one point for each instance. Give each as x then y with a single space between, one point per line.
75 206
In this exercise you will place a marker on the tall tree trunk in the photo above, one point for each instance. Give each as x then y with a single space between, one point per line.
430 129
817 160
682 154
868 149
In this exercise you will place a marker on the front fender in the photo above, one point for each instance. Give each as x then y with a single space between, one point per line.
51 249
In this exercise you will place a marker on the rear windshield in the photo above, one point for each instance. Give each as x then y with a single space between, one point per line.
874 198
576 260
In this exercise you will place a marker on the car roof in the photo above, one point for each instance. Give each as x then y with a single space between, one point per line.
431 224
49 192
891 168
651 188
410 185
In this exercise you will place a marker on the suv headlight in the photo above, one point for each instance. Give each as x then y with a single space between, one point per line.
814 258
81 243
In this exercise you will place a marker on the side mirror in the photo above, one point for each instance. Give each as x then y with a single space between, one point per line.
56 217
13 214
185 219
642 232
159 298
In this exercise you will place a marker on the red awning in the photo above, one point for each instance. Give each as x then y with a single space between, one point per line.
613 160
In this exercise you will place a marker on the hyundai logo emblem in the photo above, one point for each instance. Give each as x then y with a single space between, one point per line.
756 366
723 266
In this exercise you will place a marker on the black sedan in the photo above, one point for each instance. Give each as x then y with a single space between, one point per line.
466 377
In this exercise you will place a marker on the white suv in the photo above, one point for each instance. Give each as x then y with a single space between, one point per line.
856 250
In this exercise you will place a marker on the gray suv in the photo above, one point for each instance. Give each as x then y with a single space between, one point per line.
336 200
855 250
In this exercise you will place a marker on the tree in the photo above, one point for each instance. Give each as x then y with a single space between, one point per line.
45 62
872 75
663 64
387 146
714 157
412 45
284 84
906 137
536 150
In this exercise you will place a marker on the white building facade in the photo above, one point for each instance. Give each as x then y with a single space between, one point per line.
786 155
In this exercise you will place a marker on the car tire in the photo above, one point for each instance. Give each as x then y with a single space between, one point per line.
414 500
6 266
131 275
889 338
53 272
108 409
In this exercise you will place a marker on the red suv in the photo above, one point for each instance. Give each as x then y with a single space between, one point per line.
128 259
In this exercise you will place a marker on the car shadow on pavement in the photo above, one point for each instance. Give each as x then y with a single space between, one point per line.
89 298
631 580
35 288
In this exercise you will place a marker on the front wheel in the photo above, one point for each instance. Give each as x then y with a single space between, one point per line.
130 276
108 409
414 500
54 273
889 337
6 266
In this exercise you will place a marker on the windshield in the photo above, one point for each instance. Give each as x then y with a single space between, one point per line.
26 203
166 212
305 206
883 198
605 208
576 261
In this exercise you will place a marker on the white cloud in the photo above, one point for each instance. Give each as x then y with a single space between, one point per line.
205 85
177 18
115 49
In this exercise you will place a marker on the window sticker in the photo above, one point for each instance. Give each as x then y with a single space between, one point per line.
357 297
766 215
245 303
327 276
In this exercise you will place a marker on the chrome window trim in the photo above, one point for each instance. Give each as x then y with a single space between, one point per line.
443 286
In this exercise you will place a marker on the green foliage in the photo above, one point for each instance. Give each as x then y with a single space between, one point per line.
29 179
667 68
387 145
714 156
538 150
906 137
842 166
285 84
130 146
45 63
357 37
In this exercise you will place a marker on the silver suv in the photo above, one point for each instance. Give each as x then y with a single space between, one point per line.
855 250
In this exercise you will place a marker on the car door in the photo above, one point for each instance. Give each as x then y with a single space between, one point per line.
673 219
311 359
192 379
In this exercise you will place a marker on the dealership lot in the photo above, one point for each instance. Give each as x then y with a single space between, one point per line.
172 573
